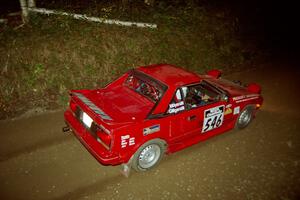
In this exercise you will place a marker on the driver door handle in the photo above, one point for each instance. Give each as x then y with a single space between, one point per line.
191 118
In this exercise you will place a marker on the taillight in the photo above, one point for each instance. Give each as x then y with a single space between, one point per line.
104 137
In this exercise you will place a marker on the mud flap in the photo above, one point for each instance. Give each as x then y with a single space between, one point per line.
126 168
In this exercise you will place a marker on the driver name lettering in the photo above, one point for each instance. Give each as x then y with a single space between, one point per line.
175 105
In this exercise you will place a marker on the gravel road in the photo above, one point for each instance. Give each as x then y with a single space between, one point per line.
38 161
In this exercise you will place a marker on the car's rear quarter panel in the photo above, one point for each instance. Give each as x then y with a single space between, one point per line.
135 134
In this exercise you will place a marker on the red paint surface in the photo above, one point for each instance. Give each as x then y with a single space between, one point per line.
132 112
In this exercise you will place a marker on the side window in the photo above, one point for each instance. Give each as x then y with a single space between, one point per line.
193 96
199 95
177 103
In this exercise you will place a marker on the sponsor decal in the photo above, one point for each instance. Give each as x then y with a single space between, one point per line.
131 141
92 106
248 97
126 140
236 110
213 118
151 129
229 105
176 107
228 111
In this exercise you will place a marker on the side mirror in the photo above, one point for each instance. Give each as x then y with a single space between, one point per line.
215 73
224 97
255 88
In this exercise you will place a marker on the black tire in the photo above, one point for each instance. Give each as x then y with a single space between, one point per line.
148 155
245 117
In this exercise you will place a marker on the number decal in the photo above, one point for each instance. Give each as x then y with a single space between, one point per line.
213 118
207 125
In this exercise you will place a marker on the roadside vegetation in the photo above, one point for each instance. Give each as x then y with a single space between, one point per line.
44 59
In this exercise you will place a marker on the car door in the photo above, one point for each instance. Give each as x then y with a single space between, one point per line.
199 111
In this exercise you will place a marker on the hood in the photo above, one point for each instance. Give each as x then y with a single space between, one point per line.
120 103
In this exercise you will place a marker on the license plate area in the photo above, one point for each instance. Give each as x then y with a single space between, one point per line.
90 125
87 120
84 118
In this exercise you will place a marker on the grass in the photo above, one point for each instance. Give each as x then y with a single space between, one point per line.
51 55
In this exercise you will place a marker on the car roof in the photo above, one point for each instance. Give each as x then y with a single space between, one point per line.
170 75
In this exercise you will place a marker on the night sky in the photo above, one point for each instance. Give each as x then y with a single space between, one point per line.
273 24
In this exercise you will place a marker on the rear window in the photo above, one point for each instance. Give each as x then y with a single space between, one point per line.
145 87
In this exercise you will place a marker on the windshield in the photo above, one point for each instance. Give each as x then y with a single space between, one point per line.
145 87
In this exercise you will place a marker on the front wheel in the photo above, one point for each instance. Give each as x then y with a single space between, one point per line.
245 117
148 155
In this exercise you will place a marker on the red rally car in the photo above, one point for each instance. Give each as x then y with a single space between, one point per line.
157 109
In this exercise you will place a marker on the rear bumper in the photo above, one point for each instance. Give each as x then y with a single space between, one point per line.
104 156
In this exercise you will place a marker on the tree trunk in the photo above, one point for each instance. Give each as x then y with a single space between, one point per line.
23 5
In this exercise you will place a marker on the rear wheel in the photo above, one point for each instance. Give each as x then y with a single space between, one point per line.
148 155
245 117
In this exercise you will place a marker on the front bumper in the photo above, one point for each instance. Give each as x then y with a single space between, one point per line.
103 155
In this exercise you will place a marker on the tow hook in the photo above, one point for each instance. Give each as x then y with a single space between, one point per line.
66 129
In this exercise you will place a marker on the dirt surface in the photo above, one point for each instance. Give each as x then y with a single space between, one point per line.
38 161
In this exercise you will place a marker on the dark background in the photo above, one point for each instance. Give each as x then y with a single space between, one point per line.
272 25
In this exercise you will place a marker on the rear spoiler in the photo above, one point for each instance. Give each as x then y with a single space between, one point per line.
91 105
